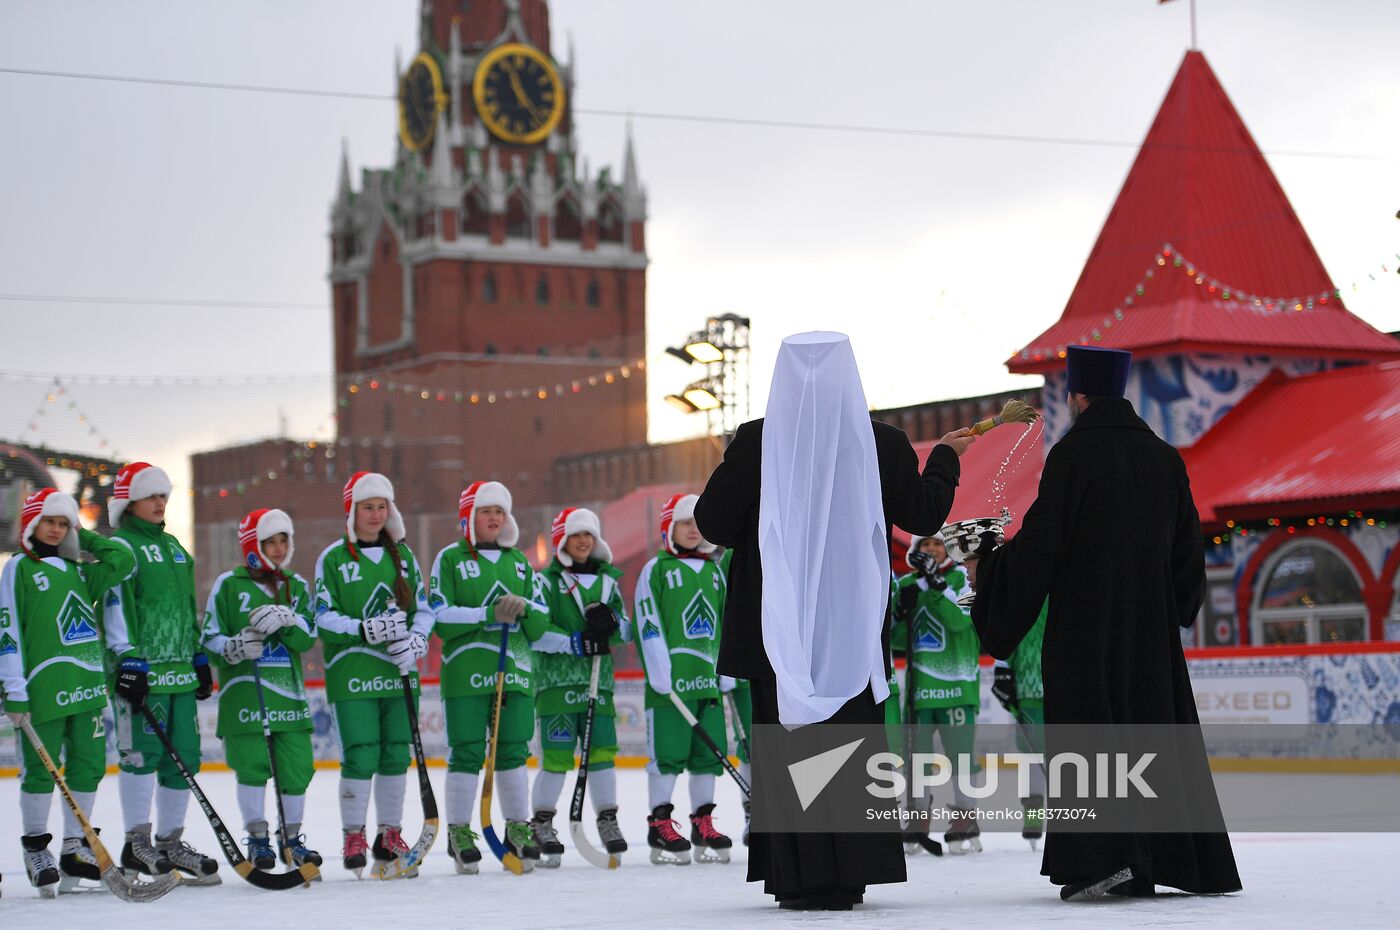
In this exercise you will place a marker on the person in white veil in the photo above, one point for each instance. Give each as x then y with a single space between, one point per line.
806 497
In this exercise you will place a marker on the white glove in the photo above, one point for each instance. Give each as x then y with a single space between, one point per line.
406 652
727 684
270 618
246 646
507 609
385 628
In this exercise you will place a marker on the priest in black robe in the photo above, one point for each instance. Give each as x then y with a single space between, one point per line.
829 495
1114 540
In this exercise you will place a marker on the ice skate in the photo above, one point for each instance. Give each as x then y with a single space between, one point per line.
260 847
963 836
389 850
668 847
353 854
520 841
198 868
711 845
610 833
461 846
39 863
139 857
295 853
546 839
76 865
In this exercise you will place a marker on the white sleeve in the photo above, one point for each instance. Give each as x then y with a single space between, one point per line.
554 641
12 678
654 648
451 613
214 637
114 626
326 614
421 615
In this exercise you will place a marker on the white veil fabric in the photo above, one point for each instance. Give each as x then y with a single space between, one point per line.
821 532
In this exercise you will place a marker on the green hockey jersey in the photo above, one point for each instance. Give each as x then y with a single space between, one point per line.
464 586
561 680
153 613
234 596
351 585
679 607
51 661
1025 659
945 646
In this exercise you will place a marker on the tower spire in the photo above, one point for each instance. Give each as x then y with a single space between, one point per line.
633 194
342 188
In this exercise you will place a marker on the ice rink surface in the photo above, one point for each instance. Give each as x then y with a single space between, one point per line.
1291 880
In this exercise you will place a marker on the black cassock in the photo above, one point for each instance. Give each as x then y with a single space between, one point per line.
1114 540
795 865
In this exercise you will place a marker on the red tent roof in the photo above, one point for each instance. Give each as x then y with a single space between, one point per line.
1297 446
1201 187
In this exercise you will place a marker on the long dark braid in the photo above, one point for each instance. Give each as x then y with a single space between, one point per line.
402 589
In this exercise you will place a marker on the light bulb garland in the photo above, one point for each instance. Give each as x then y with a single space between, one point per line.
1169 260
365 385
1292 525
55 393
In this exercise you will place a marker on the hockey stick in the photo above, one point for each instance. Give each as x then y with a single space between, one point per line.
498 849
705 738
590 853
272 761
120 886
419 852
272 881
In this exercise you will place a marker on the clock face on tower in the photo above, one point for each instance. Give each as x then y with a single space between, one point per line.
518 94
421 100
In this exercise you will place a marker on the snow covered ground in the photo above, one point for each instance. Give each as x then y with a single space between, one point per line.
1291 880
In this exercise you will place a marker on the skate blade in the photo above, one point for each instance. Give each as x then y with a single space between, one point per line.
526 866
705 854
76 884
963 847
1035 843
48 891
466 868
548 861
197 880
392 869
662 857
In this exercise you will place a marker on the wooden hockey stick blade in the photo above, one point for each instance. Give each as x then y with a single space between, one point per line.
929 844
271 881
120 886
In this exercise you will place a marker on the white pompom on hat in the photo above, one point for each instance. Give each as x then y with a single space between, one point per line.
487 494
573 520
681 507
367 485
135 482
49 502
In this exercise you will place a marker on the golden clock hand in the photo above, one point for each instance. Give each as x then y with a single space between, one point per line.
520 94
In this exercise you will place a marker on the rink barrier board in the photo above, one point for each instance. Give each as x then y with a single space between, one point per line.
1356 683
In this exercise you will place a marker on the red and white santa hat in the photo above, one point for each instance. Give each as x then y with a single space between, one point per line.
366 485
680 507
915 541
573 520
49 502
135 482
262 525
487 494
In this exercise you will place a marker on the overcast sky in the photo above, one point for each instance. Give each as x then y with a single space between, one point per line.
939 256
